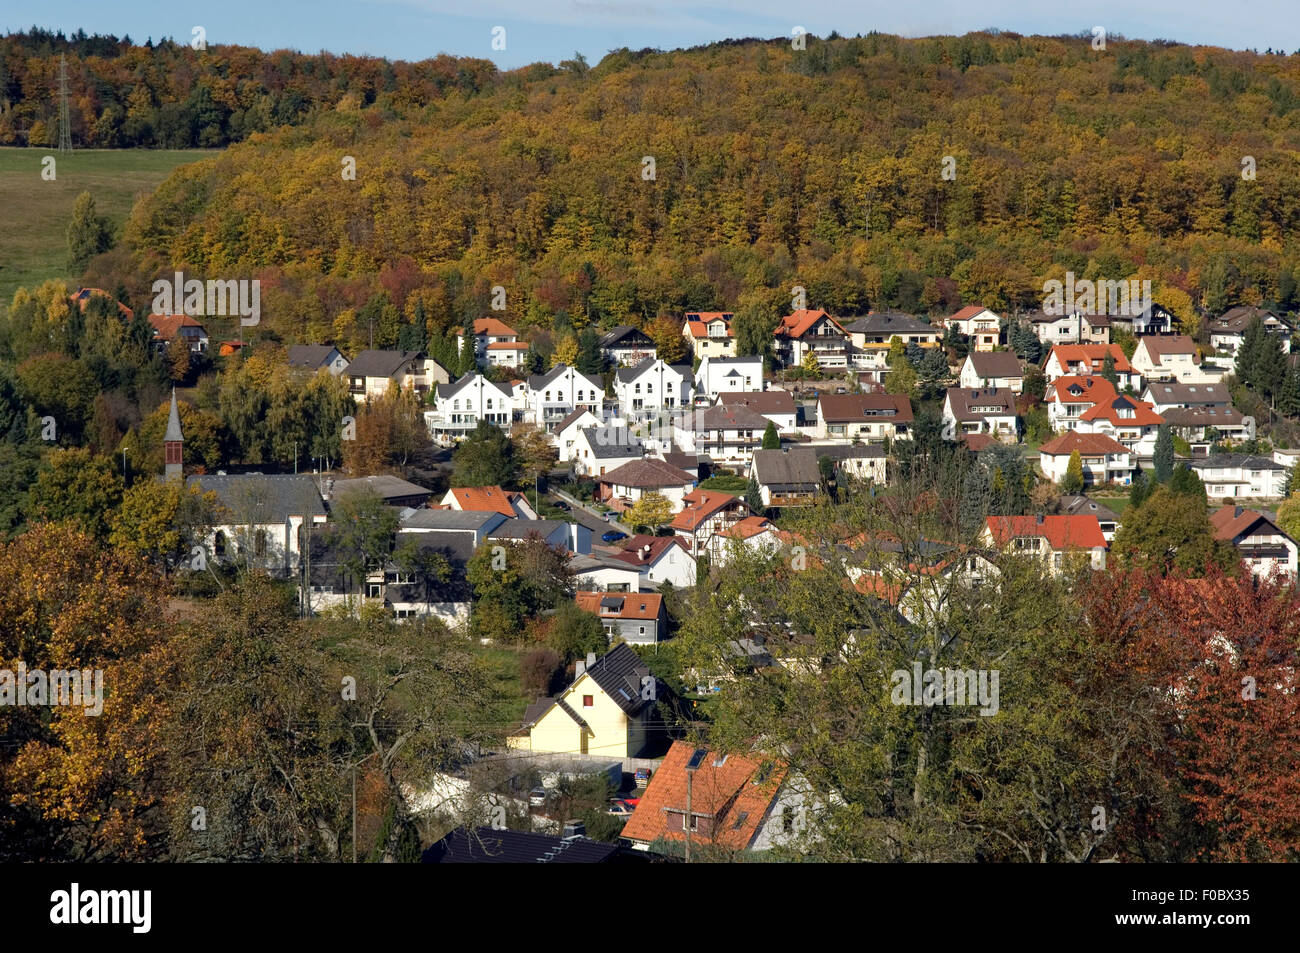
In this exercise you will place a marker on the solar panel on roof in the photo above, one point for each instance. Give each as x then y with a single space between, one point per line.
697 757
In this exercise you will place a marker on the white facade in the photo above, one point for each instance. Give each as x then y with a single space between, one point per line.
729 375
643 391
458 407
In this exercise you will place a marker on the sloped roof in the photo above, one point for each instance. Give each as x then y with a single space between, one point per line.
642 550
384 484
167 326
797 323
748 527
987 364
1230 522
310 355
612 443
492 327
1094 355
467 380
1204 417
1080 505
1158 345
538 382
1229 460
963 400
250 498
173 422
794 467
1176 392
736 791
700 505
1236 320
1088 444
620 670
440 519
859 407
628 374
725 417
380 363
1061 532
487 845
1079 389
490 499
620 334
621 605
646 473
968 312
761 402
1144 414
889 322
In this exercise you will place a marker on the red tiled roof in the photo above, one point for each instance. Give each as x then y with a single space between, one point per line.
1093 389
493 328
732 806
749 527
167 325
968 312
1088 444
1081 531
977 441
1094 355
1228 522
84 295
636 605
700 506
795 324
1144 414
1159 345
483 499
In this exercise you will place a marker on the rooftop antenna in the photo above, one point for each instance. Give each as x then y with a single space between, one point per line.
65 124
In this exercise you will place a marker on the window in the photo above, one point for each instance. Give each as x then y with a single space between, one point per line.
643 630
787 819
372 590
588 701
259 543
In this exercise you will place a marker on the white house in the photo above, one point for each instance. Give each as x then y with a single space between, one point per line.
729 375
1166 357
1090 359
866 417
623 486
599 572
1130 421
553 396
598 450
1052 539
989 410
650 387
872 335
658 559
981 325
1104 459
993 369
372 373
1229 330
1262 544
776 406
807 331
458 407
1239 475
1069 398
627 346
566 432
489 332
312 357
727 433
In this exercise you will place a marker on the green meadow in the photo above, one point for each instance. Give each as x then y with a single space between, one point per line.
34 212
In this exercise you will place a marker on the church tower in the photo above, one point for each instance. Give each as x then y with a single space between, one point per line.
172 441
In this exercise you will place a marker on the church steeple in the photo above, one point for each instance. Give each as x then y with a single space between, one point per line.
172 441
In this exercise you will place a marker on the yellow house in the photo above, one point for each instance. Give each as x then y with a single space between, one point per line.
606 711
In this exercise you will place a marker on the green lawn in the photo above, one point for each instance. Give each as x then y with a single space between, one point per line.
1114 503
34 213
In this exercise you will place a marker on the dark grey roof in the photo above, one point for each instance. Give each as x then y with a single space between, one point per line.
518 528
787 468
542 381
620 335
467 380
380 363
627 374
965 399
611 442
571 418
455 548
1203 417
173 421
262 498
1246 461
459 520
310 355
618 673
840 452
487 845
1080 505
1176 392
889 322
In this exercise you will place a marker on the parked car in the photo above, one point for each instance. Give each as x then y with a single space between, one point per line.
561 505
620 808
613 536
537 797
642 777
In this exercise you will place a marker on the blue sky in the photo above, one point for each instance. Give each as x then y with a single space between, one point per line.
551 30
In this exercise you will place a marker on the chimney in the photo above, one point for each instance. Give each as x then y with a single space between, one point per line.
591 659
1040 519
574 828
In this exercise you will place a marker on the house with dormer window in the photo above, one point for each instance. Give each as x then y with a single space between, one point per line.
709 333
651 387
982 326
981 410
806 332
1128 420
1069 398
551 397
458 407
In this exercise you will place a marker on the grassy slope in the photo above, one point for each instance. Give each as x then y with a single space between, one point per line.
34 213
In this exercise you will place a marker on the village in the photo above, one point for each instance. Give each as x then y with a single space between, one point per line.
662 473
